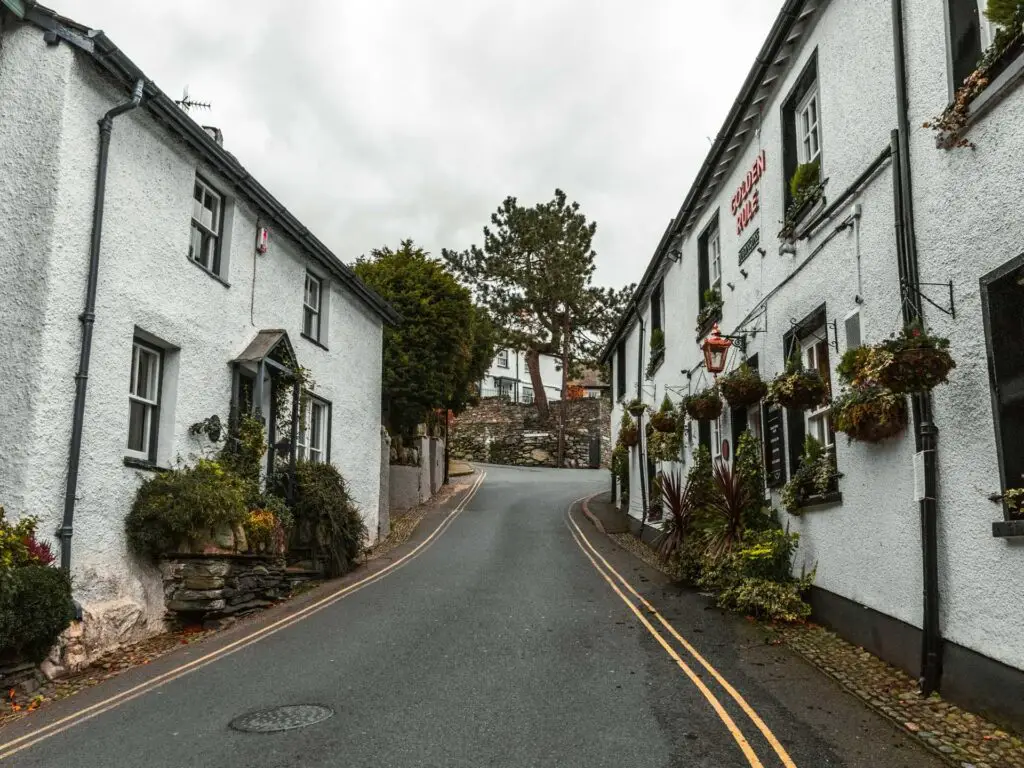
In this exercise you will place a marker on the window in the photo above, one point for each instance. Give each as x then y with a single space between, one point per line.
715 257
853 330
502 359
207 222
657 306
311 307
312 439
528 395
716 439
815 351
709 274
620 366
969 34
504 387
144 400
808 130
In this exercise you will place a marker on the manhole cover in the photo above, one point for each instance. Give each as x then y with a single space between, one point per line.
282 718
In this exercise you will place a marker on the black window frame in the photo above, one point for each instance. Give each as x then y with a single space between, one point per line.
704 267
963 40
807 81
620 363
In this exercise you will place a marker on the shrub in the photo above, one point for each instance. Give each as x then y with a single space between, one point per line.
729 507
323 503
19 546
35 607
678 500
765 599
750 467
184 504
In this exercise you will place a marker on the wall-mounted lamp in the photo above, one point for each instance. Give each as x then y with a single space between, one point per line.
744 273
676 255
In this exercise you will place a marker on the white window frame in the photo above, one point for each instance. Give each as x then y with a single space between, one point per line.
150 402
311 441
986 28
501 360
210 257
808 127
312 306
526 395
716 439
818 422
714 259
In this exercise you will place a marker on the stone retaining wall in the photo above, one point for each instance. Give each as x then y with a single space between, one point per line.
500 432
208 586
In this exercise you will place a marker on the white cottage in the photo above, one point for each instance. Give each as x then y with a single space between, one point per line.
148 281
509 377
902 227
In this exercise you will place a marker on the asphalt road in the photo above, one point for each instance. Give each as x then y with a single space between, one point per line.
499 644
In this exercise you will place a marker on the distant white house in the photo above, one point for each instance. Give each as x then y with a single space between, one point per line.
192 310
509 377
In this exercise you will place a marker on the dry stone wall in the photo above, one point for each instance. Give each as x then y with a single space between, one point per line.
501 432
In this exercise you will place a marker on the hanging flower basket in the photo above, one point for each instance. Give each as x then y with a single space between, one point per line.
798 388
665 419
636 407
915 361
629 436
742 387
704 406
870 414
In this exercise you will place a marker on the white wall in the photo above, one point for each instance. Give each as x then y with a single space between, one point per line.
550 375
147 282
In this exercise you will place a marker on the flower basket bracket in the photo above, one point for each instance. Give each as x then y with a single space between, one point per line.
907 289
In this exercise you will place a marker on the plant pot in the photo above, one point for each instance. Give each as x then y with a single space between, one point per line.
805 391
869 423
706 406
744 392
918 369
636 410
663 422
629 436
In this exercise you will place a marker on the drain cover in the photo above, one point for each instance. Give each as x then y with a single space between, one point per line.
282 718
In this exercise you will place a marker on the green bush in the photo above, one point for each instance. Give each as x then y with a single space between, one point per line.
35 607
322 502
184 504
19 546
766 599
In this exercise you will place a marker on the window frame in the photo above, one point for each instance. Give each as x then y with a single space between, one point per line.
805 86
501 359
308 309
810 102
152 407
526 394
216 268
620 373
303 447
812 347
710 235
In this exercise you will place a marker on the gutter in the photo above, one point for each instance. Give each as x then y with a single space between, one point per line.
88 320
776 40
925 430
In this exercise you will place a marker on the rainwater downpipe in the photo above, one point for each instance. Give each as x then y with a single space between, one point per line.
641 447
925 430
88 319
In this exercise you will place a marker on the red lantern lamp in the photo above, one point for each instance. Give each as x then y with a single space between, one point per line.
716 350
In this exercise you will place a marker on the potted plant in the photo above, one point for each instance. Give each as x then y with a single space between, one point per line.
664 419
1014 498
704 406
662 446
742 387
797 387
629 433
657 351
869 413
816 476
712 310
914 361
805 189
636 407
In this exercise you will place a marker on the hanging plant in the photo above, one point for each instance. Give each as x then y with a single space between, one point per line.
1014 498
662 446
664 419
798 388
629 433
657 352
636 407
869 414
742 387
704 406
711 310
915 361
816 476
805 189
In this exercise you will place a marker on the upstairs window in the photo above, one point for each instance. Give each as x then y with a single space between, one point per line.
502 359
709 277
311 303
657 306
969 35
620 370
802 128
207 223
808 128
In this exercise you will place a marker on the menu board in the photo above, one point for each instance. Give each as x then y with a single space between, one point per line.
775 446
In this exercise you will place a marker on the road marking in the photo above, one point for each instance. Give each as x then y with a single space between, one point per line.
787 761
76 718
724 716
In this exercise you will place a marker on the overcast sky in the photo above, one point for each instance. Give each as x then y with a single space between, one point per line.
378 120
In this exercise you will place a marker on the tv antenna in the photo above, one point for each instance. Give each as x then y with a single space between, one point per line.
188 104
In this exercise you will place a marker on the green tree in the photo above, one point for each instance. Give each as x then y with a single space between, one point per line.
534 274
443 346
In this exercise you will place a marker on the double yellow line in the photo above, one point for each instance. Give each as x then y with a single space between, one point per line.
604 568
77 718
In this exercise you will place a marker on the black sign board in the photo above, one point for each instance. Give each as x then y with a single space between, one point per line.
750 245
775 446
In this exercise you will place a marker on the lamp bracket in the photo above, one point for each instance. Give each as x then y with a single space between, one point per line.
679 391
650 389
908 289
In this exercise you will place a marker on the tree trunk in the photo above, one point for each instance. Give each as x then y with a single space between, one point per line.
565 394
540 397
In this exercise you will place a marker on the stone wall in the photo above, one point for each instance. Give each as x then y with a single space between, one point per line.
208 586
500 432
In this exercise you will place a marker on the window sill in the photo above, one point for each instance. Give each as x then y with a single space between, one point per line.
208 272
998 89
705 328
808 218
657 360
311 340
1008 529
144 464
822 501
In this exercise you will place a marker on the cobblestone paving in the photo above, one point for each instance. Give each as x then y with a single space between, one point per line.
963 739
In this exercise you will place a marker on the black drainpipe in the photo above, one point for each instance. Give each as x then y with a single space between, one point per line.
88 319
925 430
639 427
